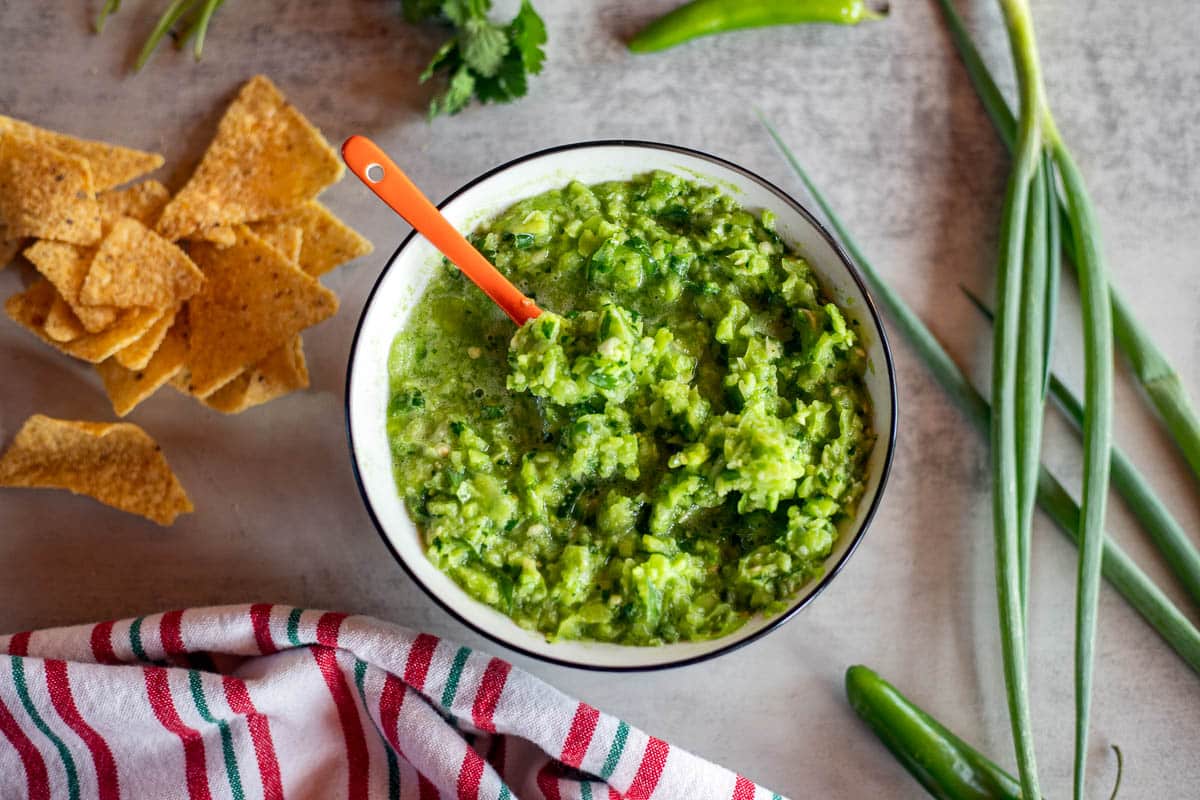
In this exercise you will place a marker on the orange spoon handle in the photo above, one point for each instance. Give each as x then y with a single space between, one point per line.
385 179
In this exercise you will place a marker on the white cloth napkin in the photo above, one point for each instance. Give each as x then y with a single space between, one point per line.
271 702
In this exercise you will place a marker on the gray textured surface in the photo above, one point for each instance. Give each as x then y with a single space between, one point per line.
890 126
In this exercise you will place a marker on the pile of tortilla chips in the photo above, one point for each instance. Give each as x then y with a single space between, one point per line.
207 290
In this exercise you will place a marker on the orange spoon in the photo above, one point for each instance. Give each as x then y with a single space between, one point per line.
382 176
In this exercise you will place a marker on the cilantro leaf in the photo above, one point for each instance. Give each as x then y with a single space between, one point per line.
457 95
528 34
507 85
460 12
483 46
483 60
447 54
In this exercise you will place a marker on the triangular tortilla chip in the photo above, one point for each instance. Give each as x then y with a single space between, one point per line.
287 239
115 463
46 193
265 159
66 266
220 235
253 301
138 354
31 308
143 201
328 242
111 165
134 266
182 381
282 371
61 323
128 387
8 247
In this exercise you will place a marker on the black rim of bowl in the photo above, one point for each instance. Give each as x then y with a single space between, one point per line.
775 622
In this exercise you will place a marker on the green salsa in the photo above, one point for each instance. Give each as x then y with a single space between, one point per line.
672 454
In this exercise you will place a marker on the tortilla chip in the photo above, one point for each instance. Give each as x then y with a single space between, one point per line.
61 323
128 387
32 307
111 165
181 381
8 248
287 239
265 159
134 266
143 201
253 301
115 463
66 266
328 242
46 193
137 355
220 235
281 372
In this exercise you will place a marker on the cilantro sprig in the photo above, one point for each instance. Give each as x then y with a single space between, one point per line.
483 60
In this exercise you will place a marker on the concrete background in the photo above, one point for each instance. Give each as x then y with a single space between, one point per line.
889 125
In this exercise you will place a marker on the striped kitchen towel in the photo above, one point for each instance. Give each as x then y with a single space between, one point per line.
271 701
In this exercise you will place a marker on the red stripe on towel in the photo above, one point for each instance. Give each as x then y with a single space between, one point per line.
238 697
158 691
488 696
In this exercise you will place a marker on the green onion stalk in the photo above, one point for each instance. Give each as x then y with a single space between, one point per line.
1150 366
198 14
1035 327
109 7
1165 531
1018 382
1120 571
1013 375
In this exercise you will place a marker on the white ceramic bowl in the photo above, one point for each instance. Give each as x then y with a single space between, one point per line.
401 283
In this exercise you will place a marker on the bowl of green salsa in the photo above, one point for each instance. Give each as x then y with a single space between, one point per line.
674 458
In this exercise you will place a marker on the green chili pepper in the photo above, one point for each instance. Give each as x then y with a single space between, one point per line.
706 17
948 767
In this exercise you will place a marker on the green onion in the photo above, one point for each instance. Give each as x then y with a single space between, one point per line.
1032 356
1150 366
1034 117
1033 353
1166 533
173 14
1053 265
201 12
1125 576
1120 772
109 7
1097 438
1118 569
1017 383
199 26
989 93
